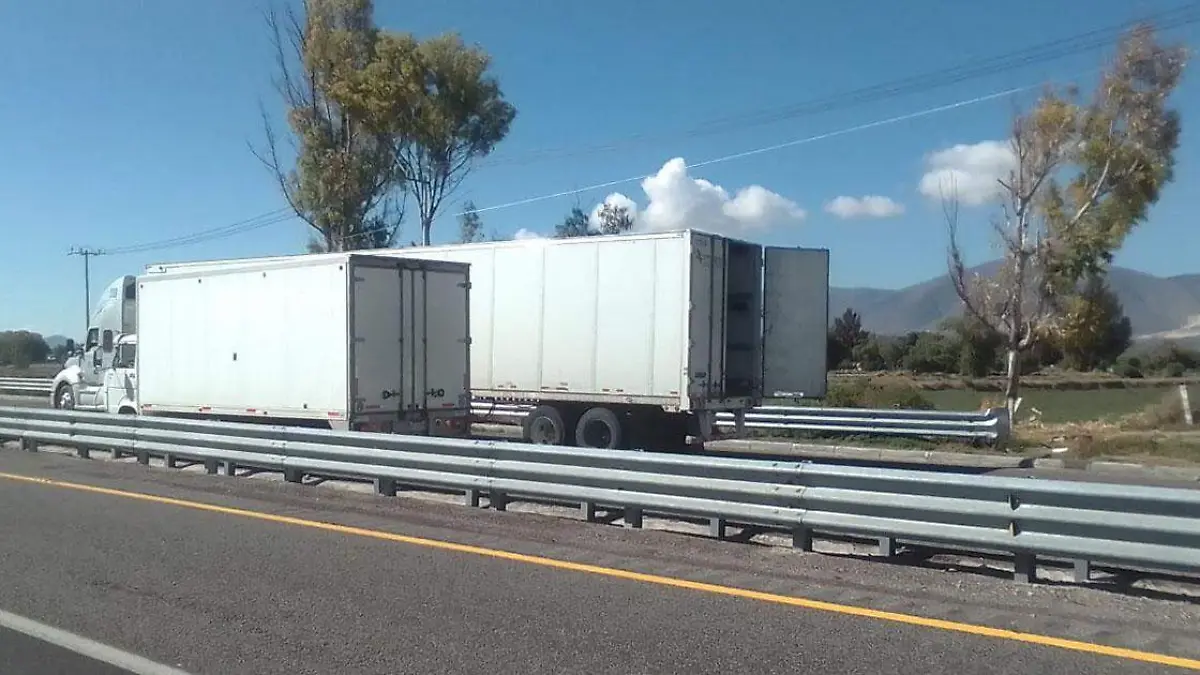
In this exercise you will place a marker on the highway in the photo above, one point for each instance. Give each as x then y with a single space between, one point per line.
211 574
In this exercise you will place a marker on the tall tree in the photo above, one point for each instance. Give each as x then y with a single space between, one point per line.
1094 330
470 225
21 348
979 344
344 183
576 224
458 119
614 219
846 334
1085 173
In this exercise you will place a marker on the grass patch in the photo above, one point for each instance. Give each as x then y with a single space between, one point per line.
38 370
1057 406
1066 381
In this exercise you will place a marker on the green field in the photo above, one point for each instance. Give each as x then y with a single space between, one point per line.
1058 405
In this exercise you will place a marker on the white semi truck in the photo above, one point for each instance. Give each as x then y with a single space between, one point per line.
344 341
613 341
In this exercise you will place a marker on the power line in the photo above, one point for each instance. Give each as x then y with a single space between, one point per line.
87 254
273 217
771 148
254 223
1041 53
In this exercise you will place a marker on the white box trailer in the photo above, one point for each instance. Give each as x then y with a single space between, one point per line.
639 339
343 340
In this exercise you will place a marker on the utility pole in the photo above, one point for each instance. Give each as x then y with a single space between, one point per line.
87 254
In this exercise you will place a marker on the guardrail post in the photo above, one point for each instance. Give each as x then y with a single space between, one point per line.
230 468
802 539
169 461
471 497
28 444
1083 571
117 454
143 457
293 475
83 452
498 501
211 466
588 509
633 517
1025 568
385 487
887 546
717 527
1003 426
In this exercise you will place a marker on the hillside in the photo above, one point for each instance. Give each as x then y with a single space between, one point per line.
1158 307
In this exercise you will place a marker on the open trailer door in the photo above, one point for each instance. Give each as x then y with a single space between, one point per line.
795 322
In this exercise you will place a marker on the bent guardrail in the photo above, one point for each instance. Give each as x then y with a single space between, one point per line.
1125 526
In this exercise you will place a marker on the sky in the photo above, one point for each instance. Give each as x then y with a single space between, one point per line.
129 124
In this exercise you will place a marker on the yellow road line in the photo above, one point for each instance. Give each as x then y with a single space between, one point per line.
730 591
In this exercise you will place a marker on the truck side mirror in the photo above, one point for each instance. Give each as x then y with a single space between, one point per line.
70 347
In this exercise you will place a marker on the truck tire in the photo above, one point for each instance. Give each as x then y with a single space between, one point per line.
599 428
64 397
544 426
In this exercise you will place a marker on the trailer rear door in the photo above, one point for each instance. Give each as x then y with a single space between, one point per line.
795 322
375 336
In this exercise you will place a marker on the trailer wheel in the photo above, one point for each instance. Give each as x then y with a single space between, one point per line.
544 426
599 428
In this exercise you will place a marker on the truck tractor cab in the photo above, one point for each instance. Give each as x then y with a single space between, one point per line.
83 382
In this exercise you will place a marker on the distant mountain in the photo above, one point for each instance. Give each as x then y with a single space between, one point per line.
55 341
1158 307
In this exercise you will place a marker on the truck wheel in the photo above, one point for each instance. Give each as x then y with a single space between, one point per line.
598 428
64 397
544 426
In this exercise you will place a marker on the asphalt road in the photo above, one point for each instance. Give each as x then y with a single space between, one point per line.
237 575
24 655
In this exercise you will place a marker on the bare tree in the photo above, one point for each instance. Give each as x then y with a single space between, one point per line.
344 183
1084 175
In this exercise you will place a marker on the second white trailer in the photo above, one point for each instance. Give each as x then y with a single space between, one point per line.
641 338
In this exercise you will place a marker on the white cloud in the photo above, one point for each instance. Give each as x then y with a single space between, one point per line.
968 171
675 200
526 234
616 199
870 206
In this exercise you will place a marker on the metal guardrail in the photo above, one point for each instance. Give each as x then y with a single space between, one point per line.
1132 527
25 386
984 426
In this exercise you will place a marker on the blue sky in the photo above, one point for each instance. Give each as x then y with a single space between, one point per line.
127 122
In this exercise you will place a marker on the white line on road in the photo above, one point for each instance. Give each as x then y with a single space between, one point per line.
84 647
